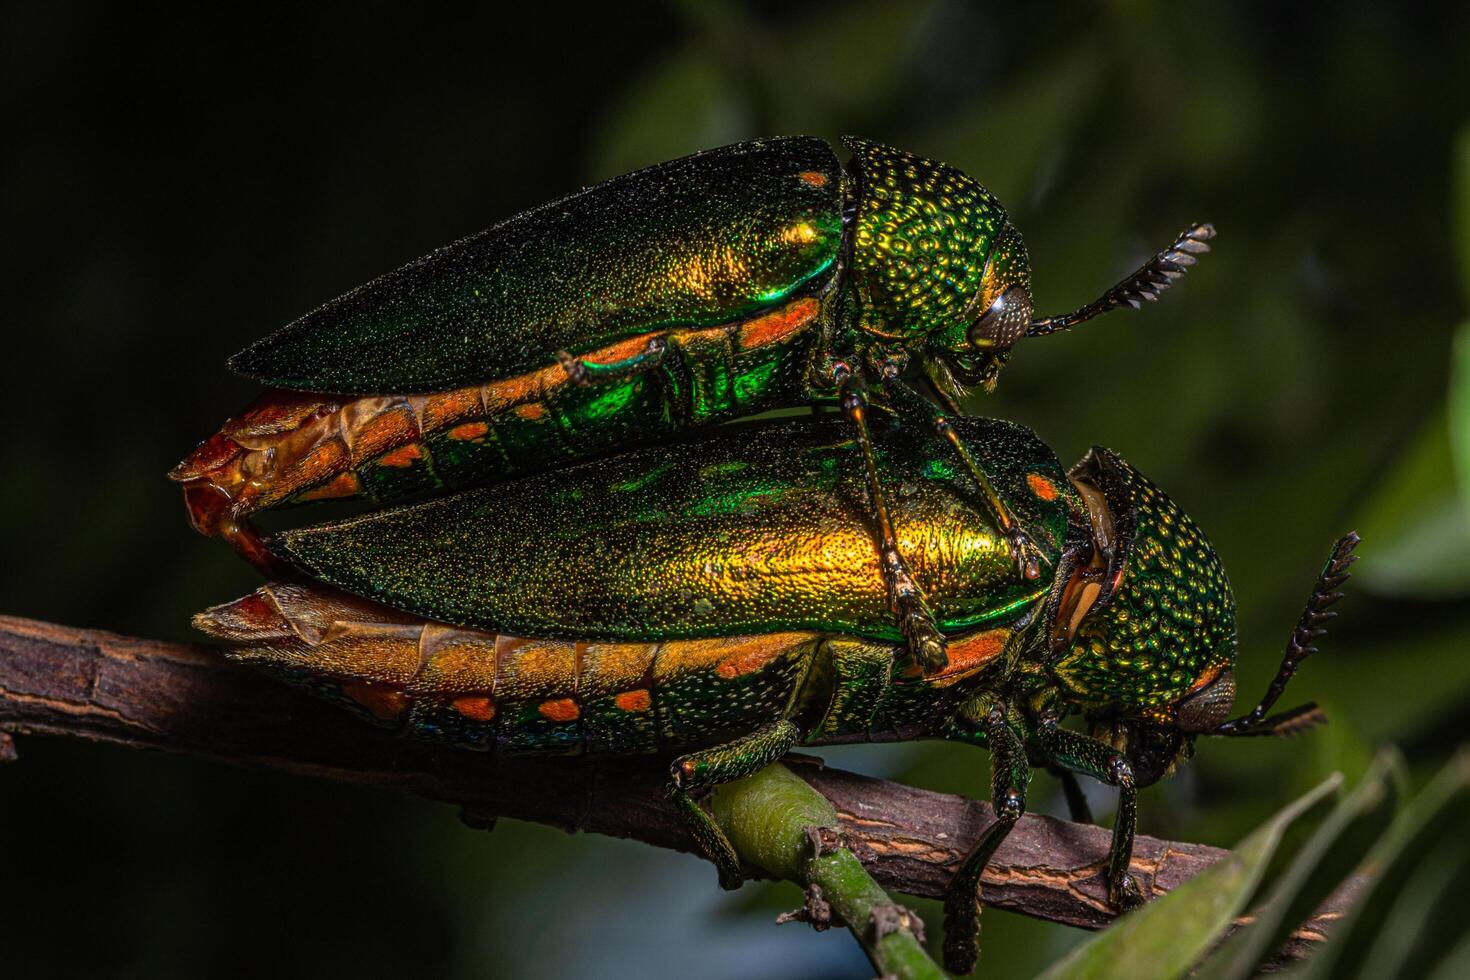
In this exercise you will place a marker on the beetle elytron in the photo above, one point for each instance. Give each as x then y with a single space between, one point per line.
722 597
753 277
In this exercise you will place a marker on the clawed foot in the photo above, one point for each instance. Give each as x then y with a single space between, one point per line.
1027 556
926 643
584 374
1125 894
729 874
710 838
575 368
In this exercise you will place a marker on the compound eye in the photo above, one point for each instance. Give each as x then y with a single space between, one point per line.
1206 709
1003 324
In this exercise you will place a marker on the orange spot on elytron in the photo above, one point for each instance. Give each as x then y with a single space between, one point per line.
531 410
470 430
381 702
560 709
1041 486
782 323
749 658
638 700
814 177
475 708
968 654
402 458
343 485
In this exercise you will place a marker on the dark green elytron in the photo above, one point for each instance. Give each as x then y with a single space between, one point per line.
721 599
758 276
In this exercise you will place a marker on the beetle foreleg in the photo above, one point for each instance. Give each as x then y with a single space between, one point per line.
1091 757
1009 774
585 373
1027 556
905 598
703 770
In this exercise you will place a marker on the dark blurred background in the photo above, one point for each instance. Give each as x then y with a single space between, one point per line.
179 181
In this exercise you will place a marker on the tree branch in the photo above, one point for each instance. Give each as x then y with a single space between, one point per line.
778 823
99 686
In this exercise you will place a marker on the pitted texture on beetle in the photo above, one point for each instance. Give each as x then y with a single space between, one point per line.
923 233
762 529
1171 619
505 693
688 243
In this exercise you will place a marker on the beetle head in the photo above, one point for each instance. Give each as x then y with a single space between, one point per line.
935 262
973 351
1144 633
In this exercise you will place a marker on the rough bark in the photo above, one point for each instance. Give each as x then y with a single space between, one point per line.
147 694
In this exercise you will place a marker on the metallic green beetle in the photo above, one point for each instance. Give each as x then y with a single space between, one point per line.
721 599
757 276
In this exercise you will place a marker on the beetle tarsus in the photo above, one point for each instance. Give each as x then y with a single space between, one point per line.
1089 756
1010 774
1124 893
1028 557
905 598
585 374
926 644
706 769
711 839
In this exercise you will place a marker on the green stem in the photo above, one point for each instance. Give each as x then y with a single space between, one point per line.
767 816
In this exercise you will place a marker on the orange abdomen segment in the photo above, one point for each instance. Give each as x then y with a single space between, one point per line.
290 447
483 690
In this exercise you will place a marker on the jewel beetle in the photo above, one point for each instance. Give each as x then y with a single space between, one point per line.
753 277
721 599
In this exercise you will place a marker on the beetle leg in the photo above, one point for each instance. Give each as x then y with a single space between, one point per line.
1027 556
584 373
704 770
915 621
1009 774
1091 757
1077 806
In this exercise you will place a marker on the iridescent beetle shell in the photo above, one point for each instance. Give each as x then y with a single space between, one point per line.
1164 623
720 285
707 239
924 244
759 529
722 597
